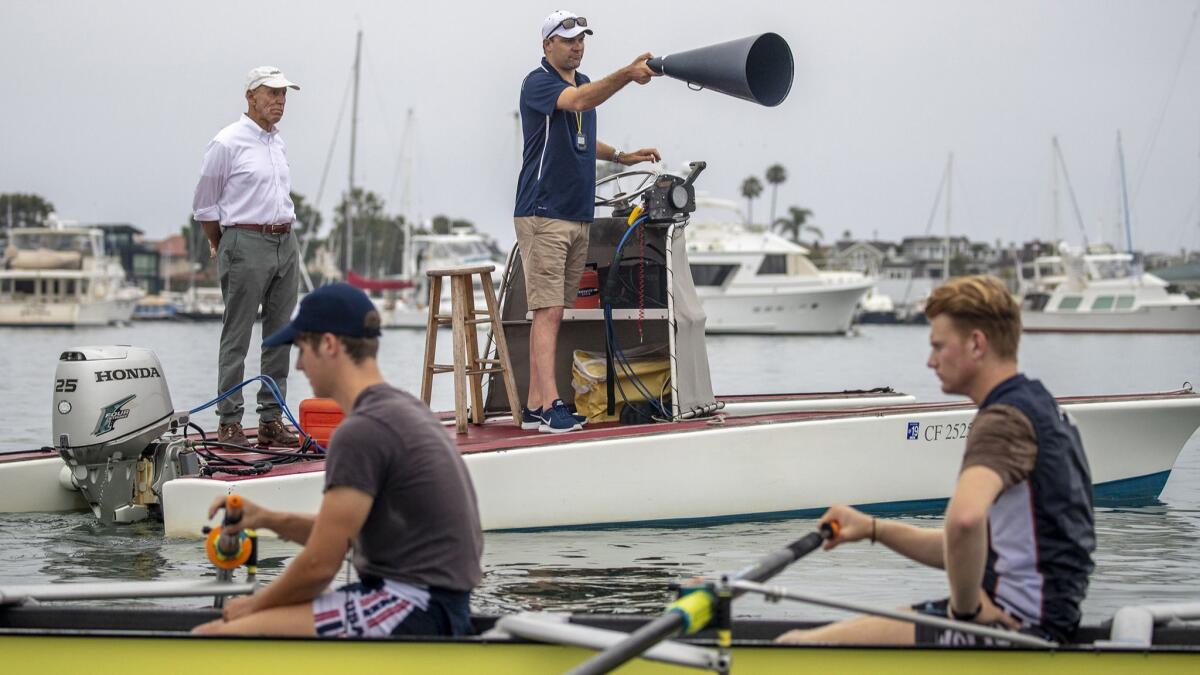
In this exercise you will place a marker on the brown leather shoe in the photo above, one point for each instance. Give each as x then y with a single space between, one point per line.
232 433
274 435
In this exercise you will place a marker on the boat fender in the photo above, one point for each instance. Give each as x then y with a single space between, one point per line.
66 478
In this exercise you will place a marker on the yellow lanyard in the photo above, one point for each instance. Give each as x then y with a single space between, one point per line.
579 122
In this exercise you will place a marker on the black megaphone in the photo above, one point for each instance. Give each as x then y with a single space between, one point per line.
757 68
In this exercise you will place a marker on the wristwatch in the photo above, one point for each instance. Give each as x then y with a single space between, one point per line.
616 158
970 616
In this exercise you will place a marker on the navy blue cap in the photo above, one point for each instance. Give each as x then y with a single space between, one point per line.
338 308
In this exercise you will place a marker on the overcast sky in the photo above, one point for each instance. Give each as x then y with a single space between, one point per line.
105 107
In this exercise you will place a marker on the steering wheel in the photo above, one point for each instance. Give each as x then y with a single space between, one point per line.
623 197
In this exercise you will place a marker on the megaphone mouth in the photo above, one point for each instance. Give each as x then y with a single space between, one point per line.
766 63
758 68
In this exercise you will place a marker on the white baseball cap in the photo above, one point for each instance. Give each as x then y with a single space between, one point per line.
553 25
269 76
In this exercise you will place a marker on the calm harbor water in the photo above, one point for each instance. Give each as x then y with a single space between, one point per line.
1146 554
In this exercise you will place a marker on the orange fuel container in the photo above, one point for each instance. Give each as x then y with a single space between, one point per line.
319 417
589 289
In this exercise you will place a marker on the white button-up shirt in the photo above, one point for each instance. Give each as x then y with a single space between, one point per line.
245 178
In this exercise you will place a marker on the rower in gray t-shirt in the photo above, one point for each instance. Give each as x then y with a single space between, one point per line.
397 497
423 527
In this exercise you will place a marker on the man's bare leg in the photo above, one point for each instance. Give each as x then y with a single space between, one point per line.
864 630
287 620
543 344
533 397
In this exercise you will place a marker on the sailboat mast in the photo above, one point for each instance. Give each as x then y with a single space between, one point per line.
1055 234
1124 196
1062 163
946 241
406 165
353 146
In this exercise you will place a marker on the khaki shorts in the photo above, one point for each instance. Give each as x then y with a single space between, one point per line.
553 253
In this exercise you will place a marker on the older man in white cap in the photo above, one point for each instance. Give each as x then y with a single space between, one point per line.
243 201
555 191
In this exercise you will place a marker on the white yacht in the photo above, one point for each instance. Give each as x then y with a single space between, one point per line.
752 280
408 308
61 276
1077 292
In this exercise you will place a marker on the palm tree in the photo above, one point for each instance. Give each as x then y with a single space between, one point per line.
752 187
776 175
796 223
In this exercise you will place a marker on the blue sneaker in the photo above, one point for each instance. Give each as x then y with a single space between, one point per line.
558 419
530 419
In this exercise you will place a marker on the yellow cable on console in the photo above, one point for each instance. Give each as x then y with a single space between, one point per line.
634 214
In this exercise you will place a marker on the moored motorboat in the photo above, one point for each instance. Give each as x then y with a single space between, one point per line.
403 302
200 303
1083 292
742 468
754 281
62 277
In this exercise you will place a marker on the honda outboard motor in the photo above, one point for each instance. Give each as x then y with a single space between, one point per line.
111 409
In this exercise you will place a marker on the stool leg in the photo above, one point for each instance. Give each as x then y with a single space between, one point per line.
431 331
476 381
510 383
458 309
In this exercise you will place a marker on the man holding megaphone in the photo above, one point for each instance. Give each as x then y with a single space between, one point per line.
555 196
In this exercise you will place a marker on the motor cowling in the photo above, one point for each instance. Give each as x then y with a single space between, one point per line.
111 404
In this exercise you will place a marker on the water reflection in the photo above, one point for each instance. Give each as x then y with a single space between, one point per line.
540 587
89 551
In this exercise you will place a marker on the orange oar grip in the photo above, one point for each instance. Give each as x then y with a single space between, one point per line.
233 509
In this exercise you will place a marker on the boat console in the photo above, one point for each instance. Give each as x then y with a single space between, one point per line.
648 300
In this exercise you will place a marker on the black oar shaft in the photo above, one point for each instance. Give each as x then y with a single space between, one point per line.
776 562
671 623
662 628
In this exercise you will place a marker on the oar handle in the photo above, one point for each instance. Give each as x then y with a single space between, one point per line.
231 542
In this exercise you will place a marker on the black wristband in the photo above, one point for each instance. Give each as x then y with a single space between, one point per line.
963 617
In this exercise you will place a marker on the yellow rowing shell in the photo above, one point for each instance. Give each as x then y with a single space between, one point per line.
98 654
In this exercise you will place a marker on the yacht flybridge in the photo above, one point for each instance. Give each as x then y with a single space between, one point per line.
120 449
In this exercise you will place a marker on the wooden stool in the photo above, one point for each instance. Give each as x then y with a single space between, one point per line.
463 319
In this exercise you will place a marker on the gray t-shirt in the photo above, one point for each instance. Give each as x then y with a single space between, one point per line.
423 527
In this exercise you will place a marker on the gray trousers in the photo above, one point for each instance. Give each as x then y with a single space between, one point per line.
255 268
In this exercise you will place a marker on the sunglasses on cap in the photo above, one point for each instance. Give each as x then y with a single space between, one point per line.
571 22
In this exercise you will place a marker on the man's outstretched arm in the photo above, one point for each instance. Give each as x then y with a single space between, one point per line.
289 526
592 94
921 544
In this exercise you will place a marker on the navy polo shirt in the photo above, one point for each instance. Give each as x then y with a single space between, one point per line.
558 180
